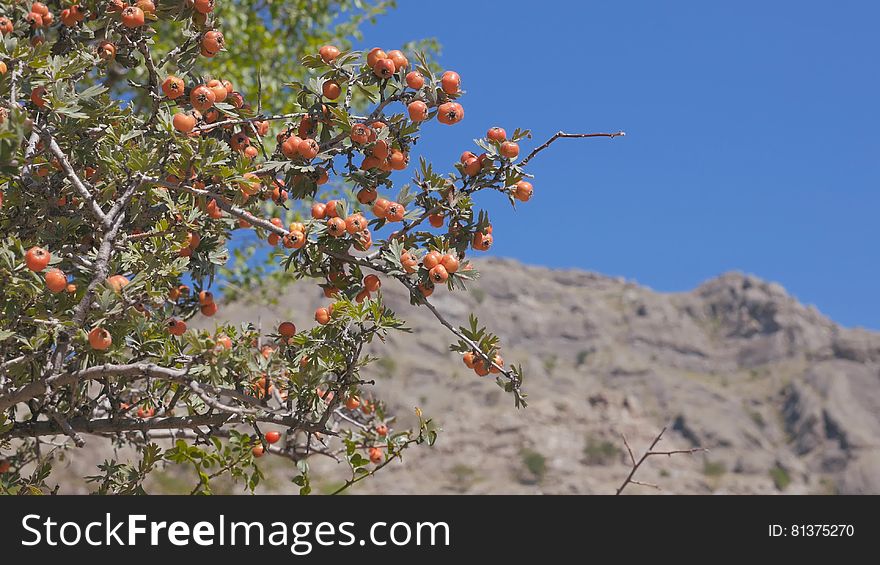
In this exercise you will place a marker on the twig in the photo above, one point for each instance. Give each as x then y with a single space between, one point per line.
561 134
636 464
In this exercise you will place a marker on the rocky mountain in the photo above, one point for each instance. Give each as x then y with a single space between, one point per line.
784 399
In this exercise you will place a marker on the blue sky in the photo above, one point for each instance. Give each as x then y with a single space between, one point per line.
752 136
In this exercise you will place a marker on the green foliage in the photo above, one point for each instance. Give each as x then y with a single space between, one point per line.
154 207
714 468
535 463
600 452
781 477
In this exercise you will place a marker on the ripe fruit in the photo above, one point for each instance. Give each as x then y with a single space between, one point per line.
213 42
523 191
37 259
375 55
117 282
132 17
331 89
399 59
207 310
352 402
468 359
472 167
367 195
450 263
202 98
496 134
336 227
183 122
290 147
56 280
355 223
146 5
295 240
5 25
380 207
332 208
145 412
384 68
328 53
360 134
3 68
450 113
37 96
432 259
106 51
176 327
395 212
381 150
258 451
509 149
497 360
382 430
398 160
272 437
100 339
206 297
203 6
450 82
308 149
322 316
4 464
372 283
415 80
482 242
71 288
438 274
224 342
319 211
287 329
436 220
418 111
375 455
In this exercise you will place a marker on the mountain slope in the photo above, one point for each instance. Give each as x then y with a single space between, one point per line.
784 398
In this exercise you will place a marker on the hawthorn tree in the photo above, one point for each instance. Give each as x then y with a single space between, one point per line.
134 162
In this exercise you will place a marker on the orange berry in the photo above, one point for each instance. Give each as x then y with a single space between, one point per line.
418 111
509 149
272 437
287 329
450 263
415 80
450 82
328 53
176 327
322 316
56 280
173 87
523 191
100 339
496 134
372 283
37 259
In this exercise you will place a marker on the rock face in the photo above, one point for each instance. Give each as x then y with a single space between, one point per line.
784 399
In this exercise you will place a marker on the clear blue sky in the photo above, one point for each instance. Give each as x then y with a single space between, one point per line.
753 136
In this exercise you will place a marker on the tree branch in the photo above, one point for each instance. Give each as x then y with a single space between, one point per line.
561 134
650 452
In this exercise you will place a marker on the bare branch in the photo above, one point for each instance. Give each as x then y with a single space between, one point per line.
650 452
560 135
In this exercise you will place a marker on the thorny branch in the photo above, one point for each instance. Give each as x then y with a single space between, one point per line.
650 452
562 134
